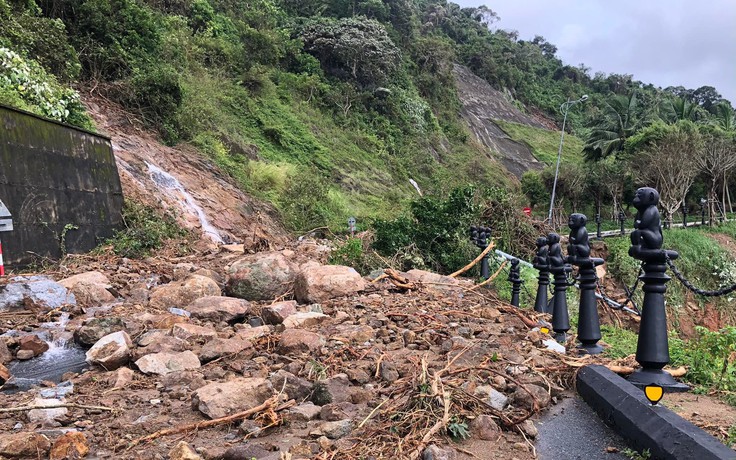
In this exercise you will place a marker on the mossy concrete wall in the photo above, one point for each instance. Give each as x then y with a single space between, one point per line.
61 185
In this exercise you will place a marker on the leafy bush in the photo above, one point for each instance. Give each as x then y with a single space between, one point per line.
145 230
355 252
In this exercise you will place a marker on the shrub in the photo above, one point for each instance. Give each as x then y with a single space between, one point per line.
145 230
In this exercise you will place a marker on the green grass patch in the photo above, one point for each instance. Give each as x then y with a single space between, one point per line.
544 143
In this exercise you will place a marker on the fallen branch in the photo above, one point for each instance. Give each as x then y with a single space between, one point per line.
475 261
55 406
268 404
398 280
626 370
493 277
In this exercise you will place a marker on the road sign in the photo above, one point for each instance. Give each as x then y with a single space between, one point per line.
528 211
351 225
6 220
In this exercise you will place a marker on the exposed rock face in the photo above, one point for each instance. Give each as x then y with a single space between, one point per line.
89 288
263 276
164 363
221 399
179 294
322 282
218 308
481 105
111 351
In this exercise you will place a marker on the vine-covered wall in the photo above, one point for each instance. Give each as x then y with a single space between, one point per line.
60 184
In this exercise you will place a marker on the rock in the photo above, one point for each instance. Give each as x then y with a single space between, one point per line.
183 451
252 333
262 276
305 412
24 444
160 321
297 341
221 399
320 283
216 348
358 375
276 313
39 291
218 309
304 319
47 417
495 398
529 429
388 372
354 334
333 390
190 379
112 351
4 374
295 387
338 411
163 363
524 398
435 282
338 429
249 452
179 294
193 333
485 428
122 377
24 355
5 355
69 446
158 342
435 453
96 328
90 289
33 343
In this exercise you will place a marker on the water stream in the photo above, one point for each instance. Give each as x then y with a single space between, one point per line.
170 183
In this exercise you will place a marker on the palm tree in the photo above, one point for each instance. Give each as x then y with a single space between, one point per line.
619 120
676 109
724 117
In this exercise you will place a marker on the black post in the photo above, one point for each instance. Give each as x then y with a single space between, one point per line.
652 350
480 236
578 250
622 221
515 278
684 215
702 211
541 263
598 226
558 268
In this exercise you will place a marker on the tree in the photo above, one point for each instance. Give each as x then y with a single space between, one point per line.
724 117
676 109
533 187
706 97
662 156
716 159
618 121
357 48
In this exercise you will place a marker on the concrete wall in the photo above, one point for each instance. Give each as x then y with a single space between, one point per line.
54 176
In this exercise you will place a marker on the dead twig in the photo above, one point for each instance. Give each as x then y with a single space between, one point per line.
475 261
492 277
55 406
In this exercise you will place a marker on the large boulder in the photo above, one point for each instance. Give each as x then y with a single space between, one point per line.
164 363
96 328
319 283
262 276
39 291
111 351
180 294
24 445
219 308
221 399
89 288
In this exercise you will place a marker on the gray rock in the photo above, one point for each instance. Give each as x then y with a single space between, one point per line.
495 398
111 352
338 429
435 453
305 412
164 363
96 328
24 355
216 348
295 387
262 276
221 399
39 290
526 398
304 319
485 428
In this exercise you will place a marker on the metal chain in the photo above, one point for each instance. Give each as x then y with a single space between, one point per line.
689 285
632 290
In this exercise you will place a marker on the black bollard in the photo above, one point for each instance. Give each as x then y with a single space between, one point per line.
598 221
702 211
578 250
622 221
515 279
558 268
480 236
684 215
652 349
541 263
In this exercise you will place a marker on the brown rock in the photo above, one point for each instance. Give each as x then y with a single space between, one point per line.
221 399
297 341
24 444
356 334
192 332
295 387
183 451
5 355
217 347
4 374
435 282
219 308
317 284
111 351
24 355
276 313
526 398
262 276
96 328
304 319
69 446
122 377
179 294
485 428
33 343
164 363
90 289
252 333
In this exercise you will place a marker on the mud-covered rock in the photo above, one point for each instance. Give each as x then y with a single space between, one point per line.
23 445
298 341
72 445
262 276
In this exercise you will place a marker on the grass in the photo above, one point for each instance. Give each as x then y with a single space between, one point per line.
544 143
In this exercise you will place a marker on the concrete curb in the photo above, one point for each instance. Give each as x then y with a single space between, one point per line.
625 409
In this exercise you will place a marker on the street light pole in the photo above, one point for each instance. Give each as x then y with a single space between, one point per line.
565 107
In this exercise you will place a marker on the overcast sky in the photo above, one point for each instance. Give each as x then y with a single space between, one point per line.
665 42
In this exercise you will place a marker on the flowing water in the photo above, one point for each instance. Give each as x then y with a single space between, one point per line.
177 191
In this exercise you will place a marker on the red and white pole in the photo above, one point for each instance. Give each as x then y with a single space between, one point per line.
2 266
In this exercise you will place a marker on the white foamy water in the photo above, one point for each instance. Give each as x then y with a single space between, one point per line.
169 182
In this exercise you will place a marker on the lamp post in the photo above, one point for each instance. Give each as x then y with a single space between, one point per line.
564 109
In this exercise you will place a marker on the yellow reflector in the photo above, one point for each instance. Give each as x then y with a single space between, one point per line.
544 330
654 393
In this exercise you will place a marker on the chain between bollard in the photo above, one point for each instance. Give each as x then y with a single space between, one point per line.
685 282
